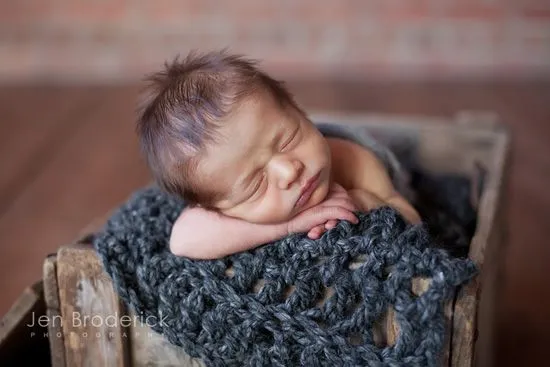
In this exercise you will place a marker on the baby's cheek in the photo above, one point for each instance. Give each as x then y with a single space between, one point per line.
273 209
320 195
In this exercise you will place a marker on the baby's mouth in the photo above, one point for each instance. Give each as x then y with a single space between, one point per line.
307 191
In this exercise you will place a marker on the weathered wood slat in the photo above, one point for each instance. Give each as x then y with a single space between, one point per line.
55 320
447 349
473 331
92 327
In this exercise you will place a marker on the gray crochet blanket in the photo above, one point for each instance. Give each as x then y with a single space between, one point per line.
222 319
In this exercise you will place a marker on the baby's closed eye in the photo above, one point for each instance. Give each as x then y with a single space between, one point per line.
259 186
292 138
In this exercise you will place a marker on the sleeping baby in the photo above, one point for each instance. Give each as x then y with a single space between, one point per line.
231 141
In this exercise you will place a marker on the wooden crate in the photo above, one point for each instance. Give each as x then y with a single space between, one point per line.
79 293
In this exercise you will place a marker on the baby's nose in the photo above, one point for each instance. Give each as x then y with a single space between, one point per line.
288 171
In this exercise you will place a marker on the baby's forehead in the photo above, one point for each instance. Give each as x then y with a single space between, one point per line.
240 142
221 168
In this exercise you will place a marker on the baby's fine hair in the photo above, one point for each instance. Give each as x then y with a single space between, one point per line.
181 108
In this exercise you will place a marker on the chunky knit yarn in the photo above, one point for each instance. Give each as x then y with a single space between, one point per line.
266 312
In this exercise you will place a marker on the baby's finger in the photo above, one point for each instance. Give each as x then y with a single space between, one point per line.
340 191
341 214
313 235
316 232
342 203
320 228
331 224
337 189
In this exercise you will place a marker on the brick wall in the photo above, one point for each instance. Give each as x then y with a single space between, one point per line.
98 40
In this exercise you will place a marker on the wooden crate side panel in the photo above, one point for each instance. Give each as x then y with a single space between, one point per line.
464 325
446 353
484 348
90 310
484 343
476 127
388 121
97 329
55 321
484 246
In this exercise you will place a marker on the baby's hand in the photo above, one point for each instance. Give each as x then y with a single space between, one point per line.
338 205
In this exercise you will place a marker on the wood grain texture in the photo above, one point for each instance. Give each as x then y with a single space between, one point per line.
53 313
93 330
473 332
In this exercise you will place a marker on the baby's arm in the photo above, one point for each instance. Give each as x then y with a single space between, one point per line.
203 234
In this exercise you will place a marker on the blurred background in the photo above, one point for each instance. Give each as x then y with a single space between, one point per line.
71 70
119 40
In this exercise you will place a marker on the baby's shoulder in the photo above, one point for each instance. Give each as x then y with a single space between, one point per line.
351 161
349 149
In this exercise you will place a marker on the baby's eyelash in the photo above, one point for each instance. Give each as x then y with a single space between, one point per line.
292 136
283 146
259 183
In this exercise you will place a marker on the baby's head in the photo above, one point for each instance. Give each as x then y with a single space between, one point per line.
220 133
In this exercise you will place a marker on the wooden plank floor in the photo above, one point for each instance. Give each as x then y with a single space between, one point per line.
68 155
